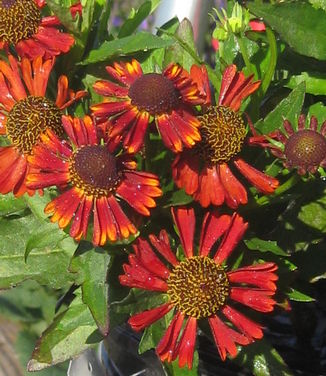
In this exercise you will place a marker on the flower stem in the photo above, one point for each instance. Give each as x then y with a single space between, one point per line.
292 181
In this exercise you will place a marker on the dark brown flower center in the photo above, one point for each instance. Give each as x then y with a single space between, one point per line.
223 132
154 93
198 287
30 117
305 148
19 19
93 169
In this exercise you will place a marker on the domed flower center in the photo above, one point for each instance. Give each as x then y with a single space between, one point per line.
93 169
305 148
28 118
19 19
198 287
223 132
154 93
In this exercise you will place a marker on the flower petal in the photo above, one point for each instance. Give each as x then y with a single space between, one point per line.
142 320
264 183
231 238
166 347
226 338
186 346
214 226
184 218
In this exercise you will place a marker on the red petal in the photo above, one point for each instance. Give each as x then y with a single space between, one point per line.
137 275
186 346
260 275
247 327
110 89
184 218
225 338
235 192
146 318
210 190
261 181
148 258
256 299
214 226
234 234
162 245
166 347
185 171
80 221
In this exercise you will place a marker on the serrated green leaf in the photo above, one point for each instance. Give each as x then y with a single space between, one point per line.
11 205
65 338
264 246
313 214
47 236
24 346
176 53
142 41
47 266
298 23
289 108
91 266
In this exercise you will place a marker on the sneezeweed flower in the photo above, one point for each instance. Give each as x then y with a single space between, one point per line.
204 171
95 180
200 286
167 98
303 148
23 26
26 112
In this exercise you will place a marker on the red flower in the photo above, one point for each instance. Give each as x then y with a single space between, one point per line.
76 9
22 26
25 112
257 25
301 148
140 98
199 287
204 171
95 181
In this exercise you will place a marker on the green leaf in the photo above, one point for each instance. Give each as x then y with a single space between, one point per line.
262 359
315 82
65 338
174 369
24 346
319 111
11 205
313 214
132 23
47 266
47 236
256 244
289 108
91 265
299 296
142 41
298 23
176 53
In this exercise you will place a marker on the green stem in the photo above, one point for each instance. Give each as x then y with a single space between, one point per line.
272 61
292 181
